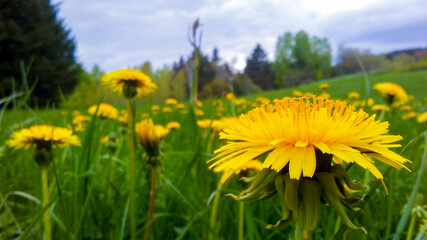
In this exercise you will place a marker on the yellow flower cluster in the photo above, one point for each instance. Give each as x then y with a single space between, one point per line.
130 82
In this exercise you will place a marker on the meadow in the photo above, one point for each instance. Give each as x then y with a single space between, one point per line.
89 184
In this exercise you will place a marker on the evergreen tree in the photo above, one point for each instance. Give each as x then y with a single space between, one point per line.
259 70
31 33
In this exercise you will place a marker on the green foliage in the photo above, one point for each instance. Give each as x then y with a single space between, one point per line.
179 86
215 89
243 85
31 33
347 61
258 68
301 59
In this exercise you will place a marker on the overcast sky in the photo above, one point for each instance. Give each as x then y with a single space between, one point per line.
120 34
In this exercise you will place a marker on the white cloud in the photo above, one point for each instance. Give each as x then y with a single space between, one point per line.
121 34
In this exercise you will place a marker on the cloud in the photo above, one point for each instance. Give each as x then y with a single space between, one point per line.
117 34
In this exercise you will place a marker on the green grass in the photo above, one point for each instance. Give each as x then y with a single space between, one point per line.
82 208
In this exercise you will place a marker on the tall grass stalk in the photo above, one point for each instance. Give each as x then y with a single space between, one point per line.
151 203
241 220
213 228
132 207
46 214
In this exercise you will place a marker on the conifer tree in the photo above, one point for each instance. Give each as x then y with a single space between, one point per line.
33 38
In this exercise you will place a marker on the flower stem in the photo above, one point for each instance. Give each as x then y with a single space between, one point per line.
214 211
132 209
46 214
151 205
241 219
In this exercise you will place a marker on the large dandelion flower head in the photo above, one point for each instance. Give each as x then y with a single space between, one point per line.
306 139
129 82
392 91
43 136
299 132
150 135
105 110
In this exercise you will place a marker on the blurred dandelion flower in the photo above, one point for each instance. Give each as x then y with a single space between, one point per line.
422 118
199 112
209 124
129 82
325 95
199 103
43 136
409 115
323 86
171 101
150 135
173 125
230 96
392 91
380 107
297 93
406 108
254 165
167 109
79 122
353 95
105 110
180 106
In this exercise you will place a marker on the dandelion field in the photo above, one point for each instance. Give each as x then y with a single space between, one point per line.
89 184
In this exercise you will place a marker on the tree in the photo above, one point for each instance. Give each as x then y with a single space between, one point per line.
347 60
301 59
259 70
31 35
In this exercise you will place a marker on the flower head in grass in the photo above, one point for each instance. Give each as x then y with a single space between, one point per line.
173 125
380 107
44 137
206 124
254 165
105 110
292 129
392 91
199 112
171 101
353 95
150 135
230 96
79 122
305 141
166 109
180 106
297 93
323 86
129 82
422 118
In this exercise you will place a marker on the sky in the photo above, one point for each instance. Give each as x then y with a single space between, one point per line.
123 34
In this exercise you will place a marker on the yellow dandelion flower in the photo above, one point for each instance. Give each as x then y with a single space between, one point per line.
353 95
254 165
123 118
180 106
130 82
370 102
199 112
406 108
296 130
262 100
308 94
155 108
229 96
392 91
171 101
422 118
105 110
173 125
239 101
199 103
43 136
325 95
323 86
150 135
79 122
209 124
297 93
409 115
380 107
167 109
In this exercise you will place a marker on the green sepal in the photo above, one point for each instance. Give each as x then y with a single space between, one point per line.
311 192
279 182
291 194
339 172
